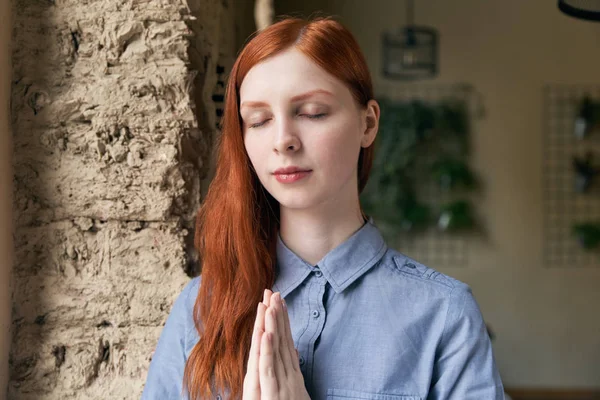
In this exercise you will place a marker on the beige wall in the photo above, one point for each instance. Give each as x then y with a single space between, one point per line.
546 320
5 195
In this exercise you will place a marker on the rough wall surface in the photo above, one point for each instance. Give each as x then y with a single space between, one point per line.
6 241
113 118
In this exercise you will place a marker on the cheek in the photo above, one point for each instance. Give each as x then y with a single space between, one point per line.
253 149
338 149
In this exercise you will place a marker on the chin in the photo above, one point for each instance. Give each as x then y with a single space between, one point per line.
295 200
295 203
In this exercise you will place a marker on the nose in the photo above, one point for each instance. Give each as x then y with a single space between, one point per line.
286 139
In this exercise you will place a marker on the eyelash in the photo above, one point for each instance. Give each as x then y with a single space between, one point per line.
314 116
258 125
309 116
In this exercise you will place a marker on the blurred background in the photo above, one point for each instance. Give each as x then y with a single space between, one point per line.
523 68
491 113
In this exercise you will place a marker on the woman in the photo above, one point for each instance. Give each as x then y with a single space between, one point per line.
283 213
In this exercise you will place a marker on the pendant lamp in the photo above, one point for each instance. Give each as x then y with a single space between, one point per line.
582 9
412 52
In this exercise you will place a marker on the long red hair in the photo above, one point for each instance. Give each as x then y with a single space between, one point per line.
237 225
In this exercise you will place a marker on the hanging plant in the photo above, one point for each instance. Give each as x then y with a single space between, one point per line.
588 117
418 144
585 171
586 121
588 235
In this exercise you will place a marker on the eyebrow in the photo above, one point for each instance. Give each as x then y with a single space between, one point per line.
304 96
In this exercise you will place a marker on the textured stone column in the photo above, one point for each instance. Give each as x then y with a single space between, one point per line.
5 195
113 114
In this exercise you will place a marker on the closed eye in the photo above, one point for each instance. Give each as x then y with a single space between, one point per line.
259 124
314 116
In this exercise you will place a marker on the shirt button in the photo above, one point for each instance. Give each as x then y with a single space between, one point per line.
411 266
301 360
316 314
318 273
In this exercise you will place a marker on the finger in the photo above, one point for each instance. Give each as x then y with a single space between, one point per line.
252 379
267 297
271 327
259 323
283 349
290 340
268 380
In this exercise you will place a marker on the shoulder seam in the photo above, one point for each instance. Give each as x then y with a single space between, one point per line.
414 277
428 274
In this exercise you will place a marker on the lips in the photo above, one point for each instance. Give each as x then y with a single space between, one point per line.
290 170
292 177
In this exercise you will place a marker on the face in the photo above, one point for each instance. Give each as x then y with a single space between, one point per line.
295 114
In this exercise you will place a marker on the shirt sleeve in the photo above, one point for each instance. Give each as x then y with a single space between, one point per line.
465 368
165 374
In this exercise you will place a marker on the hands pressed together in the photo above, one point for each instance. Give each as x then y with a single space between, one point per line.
273 371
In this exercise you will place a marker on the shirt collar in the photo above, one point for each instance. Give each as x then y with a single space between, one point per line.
341 266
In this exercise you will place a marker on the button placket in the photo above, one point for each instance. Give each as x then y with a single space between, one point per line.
315 322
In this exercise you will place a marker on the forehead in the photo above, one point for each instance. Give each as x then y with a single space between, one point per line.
287 74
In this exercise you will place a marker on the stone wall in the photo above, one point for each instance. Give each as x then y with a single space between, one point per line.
114 108
5 195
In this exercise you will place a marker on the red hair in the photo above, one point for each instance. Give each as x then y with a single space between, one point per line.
237 225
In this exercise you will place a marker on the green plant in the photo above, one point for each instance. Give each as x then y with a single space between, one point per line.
588 117
419 144
586 121
450 173
455 216
588 235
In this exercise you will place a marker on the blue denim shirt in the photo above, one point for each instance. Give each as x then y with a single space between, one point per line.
368 322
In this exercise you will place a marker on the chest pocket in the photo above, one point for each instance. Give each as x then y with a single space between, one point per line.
345 394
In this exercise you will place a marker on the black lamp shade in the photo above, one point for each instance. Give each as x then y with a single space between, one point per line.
410 54
582 9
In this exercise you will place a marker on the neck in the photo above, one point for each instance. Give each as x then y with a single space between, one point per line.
311 234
